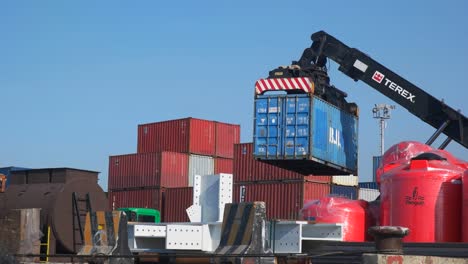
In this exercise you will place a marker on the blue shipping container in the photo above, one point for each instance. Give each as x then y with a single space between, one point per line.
7 172
350 192
375 165
369 185
306 134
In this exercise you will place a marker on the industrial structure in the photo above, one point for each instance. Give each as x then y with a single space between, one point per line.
292 195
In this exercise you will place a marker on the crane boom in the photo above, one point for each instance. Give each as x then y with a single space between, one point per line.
360 66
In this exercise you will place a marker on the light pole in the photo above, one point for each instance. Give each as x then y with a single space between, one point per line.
382 112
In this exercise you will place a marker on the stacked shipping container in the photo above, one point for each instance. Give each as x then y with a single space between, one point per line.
283 200
249 170
189 135
169 155
369 191
166 169
284 191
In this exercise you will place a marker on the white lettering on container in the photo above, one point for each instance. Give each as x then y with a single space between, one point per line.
334 137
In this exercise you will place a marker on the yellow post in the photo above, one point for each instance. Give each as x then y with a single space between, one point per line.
47 244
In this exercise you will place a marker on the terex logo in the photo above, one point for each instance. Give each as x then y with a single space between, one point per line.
379 77
334 137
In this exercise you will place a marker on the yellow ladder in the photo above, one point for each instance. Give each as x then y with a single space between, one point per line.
46 246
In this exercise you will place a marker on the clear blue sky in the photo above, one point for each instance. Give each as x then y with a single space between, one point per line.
76 77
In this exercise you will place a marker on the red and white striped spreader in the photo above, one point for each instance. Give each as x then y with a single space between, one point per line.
278 84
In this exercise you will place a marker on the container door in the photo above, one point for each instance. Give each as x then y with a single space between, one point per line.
268 127
296 133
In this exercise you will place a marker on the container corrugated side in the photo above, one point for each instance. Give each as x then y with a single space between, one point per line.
243 163
171 135
247 169
176 201
368 194
199 165
305 134
166 169
369 185
141 198
283 200
202 137
226 136
223 165
187 135
350 192
346 180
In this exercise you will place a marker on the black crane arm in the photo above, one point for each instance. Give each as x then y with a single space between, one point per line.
360 66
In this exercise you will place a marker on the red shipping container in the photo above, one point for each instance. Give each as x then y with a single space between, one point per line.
188 135
283 200
176 201
226 136
247 169
223 165
141 198
165 169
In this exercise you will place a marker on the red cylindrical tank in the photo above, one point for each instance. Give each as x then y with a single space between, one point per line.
351 213
425 196
400 153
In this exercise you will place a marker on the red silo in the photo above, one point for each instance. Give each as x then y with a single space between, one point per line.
395 157
400 153
351 213
424 195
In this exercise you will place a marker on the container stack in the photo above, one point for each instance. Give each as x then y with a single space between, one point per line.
169 155
345 186
283 191
368 191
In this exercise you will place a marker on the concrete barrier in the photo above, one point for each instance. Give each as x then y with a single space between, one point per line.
20 234
105 233
243 233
